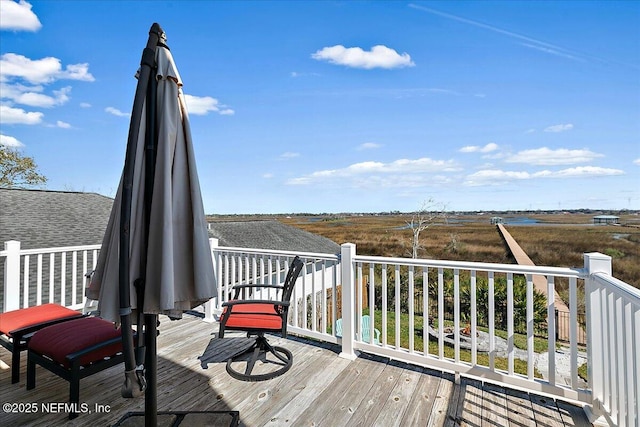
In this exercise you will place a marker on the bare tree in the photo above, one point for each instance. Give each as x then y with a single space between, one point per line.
18 171
430 212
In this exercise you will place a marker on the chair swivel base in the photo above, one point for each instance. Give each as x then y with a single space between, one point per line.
260 347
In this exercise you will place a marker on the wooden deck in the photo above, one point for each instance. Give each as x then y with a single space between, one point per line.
320 389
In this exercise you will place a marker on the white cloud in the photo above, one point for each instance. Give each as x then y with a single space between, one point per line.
45 70
400 172
497 177
296 74
494 177
18 16
547 156
559 128
85 105
201 105
289 155
636 162
33 96
116 112
10 141
267 175
477 149
63 125
378 57
10 115
368 146
585 171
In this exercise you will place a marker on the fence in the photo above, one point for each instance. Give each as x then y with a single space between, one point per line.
467 290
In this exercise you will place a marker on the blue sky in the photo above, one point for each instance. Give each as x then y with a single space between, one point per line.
342 106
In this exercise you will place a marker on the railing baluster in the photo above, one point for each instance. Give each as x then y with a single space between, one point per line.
324 312
63 276
74 277
474 320
397 305
573 330
510 347
294 298
440 313
314 310
619 362
384 305
425 310
334 297
635 355
492 321
359 297
39 280
85 255
456 314
411 299
551 322
372 291
25 297
530 326
51 277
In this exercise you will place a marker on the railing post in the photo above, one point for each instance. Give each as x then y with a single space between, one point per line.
595 262
211 306
12 276
347 253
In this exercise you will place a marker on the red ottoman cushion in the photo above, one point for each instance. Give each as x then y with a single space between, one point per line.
260 315
18 319
60 340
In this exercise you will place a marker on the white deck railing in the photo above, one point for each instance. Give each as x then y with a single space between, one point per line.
613 313
349 286
38 276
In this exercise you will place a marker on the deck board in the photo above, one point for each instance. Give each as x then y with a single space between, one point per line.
321 389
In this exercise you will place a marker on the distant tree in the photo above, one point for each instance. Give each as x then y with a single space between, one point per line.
429 213
18 171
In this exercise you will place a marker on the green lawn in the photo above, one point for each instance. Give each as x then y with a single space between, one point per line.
520 366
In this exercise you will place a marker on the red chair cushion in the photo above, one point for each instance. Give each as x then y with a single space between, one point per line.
32 316
254 316
62 339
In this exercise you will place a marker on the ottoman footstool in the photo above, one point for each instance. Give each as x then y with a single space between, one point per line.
74 350
17 327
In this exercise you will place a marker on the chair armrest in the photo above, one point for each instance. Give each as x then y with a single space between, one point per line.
254 301
239 288
257 285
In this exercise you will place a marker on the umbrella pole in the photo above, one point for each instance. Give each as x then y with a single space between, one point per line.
151 396
134 383
150 320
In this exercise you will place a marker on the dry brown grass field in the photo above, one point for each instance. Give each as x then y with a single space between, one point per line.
554 240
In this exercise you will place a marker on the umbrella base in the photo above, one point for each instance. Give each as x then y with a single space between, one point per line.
261 349
186 418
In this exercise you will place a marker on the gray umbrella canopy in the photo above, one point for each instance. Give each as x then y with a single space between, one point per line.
176 260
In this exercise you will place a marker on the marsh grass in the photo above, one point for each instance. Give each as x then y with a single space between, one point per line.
559 240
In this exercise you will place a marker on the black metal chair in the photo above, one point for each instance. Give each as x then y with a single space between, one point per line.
257 317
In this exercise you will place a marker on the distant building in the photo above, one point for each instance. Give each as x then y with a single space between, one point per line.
606 219
497 220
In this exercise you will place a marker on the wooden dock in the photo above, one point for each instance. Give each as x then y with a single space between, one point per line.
321 389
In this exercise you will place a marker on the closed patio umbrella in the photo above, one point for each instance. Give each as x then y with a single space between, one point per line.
155 256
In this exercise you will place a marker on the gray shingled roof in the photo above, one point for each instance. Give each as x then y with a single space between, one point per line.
270 234
45 219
